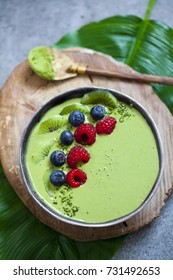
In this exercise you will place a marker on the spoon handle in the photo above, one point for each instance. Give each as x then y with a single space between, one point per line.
144 78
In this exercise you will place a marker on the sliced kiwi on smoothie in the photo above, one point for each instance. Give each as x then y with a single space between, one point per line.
46 183
43 151
100 97
77 106
52 124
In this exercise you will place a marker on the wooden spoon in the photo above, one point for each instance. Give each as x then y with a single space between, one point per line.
65 68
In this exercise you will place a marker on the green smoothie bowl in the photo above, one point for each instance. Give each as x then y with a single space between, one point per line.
91 157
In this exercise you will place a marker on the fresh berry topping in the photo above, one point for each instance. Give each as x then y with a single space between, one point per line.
76 155
106 126
66 137
76 118
97 112
58 158
85 134
76 178
57 178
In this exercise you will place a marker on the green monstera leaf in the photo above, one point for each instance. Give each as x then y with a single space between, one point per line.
143 44
146 46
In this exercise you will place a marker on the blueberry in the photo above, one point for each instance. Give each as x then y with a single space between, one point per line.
58 158
97 112
66 137
57 178
76 118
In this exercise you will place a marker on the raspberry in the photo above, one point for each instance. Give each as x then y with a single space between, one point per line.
85 134
75 178
106 126
77 154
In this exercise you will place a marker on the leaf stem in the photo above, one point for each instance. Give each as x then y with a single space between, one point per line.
136 44
149 9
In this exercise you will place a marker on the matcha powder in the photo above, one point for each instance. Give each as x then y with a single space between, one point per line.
40 60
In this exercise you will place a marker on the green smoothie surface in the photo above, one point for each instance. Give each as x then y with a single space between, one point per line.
121 172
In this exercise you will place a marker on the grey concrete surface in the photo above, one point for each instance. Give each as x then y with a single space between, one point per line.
25 24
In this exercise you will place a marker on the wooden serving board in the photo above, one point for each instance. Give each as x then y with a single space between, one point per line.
24 93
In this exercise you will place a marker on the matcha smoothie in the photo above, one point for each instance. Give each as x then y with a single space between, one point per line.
122 168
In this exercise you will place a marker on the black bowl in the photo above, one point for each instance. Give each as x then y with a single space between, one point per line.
74 93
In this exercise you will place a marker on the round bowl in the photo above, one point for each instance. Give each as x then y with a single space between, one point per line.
74 93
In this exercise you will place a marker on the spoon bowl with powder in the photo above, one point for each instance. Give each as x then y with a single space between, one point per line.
51 64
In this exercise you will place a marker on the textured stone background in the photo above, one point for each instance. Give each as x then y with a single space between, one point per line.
28 23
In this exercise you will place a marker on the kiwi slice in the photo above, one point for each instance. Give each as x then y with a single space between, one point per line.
43 151
52 124
47 184
77 106
100 97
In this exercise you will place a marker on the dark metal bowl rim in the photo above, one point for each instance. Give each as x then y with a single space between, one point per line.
79 92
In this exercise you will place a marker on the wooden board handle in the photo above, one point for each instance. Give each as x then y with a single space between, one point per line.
143 78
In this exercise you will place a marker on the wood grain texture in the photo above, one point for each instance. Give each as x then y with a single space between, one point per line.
24 92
